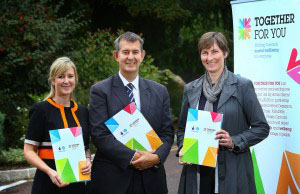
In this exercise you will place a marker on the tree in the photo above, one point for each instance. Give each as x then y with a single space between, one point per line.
32 37
171 28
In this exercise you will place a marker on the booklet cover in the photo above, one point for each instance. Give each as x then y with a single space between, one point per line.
199 145
130 127
69 154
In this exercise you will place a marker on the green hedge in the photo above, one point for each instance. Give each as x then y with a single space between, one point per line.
12 157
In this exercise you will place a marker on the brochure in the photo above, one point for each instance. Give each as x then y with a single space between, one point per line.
69 154
199 145
130 127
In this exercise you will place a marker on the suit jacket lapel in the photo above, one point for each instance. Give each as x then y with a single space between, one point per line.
144 96
120 91
228 89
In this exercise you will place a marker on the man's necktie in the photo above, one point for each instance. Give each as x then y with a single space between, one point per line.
129 90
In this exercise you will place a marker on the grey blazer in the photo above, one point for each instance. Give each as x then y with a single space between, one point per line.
243 119
111 171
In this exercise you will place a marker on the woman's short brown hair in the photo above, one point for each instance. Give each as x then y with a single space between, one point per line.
208 39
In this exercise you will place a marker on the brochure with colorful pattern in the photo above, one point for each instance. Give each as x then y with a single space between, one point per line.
69 154
199 145
130 127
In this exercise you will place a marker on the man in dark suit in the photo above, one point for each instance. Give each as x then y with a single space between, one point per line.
116 168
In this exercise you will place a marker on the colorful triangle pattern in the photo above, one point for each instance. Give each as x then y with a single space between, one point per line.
258 181
210 158
288 181
192 115
293 60
294 161
83 177
190 151
112 124
54 136
76 131
129 144
153 139
130 108
65 171
216 117
135 145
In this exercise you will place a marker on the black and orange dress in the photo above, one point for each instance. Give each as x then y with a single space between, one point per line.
45 116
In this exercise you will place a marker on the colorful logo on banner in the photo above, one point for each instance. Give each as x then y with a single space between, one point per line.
289 178
244 28
293 69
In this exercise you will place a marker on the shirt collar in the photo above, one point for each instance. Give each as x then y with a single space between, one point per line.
135 82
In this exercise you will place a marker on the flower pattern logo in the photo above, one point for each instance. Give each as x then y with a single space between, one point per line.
244 28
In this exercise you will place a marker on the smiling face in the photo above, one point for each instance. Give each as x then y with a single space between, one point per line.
64 83
213 59
129 57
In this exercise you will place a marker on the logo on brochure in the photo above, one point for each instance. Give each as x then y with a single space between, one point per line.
135 123
61 149
124 132
73 146
208 130
195 129
244 28
293 69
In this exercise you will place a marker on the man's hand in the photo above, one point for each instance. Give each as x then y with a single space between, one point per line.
137 155
147 160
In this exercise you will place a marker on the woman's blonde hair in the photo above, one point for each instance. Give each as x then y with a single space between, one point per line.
58 67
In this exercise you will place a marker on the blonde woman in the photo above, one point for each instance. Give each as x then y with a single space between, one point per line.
57 111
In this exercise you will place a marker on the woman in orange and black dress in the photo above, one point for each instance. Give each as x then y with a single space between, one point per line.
57 111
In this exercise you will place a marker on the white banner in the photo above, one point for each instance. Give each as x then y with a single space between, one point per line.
266 47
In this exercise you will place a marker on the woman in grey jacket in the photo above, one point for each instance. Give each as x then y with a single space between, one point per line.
244 123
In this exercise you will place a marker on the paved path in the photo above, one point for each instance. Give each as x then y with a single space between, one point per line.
173 170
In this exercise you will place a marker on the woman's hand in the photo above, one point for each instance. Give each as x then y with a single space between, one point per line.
224 139
30 154
87 168
55 178
180 162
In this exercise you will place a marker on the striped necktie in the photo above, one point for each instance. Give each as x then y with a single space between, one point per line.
129 90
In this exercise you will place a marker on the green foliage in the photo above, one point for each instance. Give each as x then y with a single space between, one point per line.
175 86
12 156
94 61
21 122
171 28
32 36
2 117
